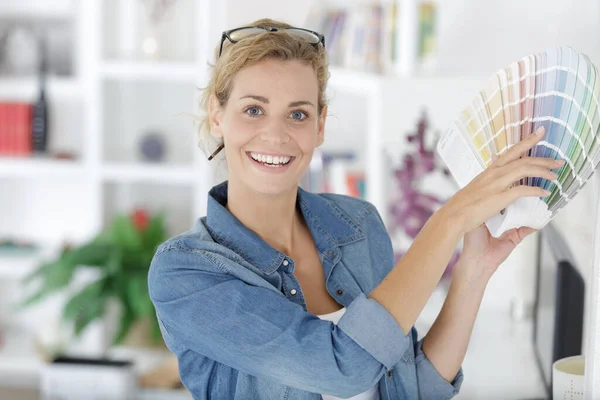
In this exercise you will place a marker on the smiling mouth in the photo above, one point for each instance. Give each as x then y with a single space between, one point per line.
271 161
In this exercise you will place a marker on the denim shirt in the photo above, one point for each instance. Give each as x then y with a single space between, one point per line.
231 310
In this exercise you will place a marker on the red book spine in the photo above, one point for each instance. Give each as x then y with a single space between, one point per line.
19 149
3 130
27 114
21 129
11 127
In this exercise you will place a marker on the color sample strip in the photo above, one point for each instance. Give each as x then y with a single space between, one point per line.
558 89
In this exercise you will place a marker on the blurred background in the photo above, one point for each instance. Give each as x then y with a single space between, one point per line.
99 163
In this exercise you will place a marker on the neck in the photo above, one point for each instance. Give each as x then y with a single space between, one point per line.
272 217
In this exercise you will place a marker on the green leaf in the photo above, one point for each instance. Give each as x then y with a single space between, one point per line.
90 297
155 232
155 333
55 276
90 254
114 264
127 320
32 299
39 271
123 233
139 298
88 314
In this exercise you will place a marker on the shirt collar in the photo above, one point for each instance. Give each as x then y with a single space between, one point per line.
329 225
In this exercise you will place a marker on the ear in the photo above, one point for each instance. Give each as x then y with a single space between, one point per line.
214 116
321 126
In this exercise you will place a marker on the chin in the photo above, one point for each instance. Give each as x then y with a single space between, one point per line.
272 187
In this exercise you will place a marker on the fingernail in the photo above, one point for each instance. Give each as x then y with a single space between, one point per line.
547 192
540 131
559 162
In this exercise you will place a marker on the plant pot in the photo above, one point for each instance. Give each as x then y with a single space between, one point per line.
140 336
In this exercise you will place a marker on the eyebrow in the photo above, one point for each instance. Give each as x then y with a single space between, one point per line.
266 101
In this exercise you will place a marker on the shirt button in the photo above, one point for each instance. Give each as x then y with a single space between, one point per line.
285 263
390 373
330 253
293 292
340 292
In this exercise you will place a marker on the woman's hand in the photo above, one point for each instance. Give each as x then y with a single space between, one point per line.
482 253
492 190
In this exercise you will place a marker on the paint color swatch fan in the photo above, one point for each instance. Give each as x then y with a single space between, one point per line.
558 89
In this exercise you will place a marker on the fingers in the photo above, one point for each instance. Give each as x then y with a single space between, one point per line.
525 231
515 152
531 171
502 178
514 193
549 163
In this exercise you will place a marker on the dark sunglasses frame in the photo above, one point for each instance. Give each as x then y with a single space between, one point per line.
227 34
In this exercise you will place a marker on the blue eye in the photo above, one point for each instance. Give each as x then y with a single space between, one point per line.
253 111
299 115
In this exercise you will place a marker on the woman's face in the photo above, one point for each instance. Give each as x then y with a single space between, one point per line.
270 125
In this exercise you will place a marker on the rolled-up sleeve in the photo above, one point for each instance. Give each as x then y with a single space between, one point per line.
258 331
370 325
431 384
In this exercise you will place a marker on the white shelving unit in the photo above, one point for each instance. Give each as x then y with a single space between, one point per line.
39 167
108 177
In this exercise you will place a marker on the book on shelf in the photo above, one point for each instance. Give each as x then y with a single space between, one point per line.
335 172
15 129
368 36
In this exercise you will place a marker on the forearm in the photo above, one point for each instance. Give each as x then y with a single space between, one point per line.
445 345
407 288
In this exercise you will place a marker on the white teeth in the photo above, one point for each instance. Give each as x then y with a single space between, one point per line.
274 160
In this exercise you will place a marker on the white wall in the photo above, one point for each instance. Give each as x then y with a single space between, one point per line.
477 37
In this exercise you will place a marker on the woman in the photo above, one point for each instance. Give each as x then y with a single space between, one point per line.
278 293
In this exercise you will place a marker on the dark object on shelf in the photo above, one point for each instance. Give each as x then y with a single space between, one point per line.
39 122
559 304
152 147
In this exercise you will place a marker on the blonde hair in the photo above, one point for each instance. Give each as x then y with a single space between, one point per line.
271 45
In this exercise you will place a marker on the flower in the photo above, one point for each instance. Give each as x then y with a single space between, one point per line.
140 218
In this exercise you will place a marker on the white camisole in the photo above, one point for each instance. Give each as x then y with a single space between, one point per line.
371 394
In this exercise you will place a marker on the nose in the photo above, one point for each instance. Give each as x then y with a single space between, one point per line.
275 132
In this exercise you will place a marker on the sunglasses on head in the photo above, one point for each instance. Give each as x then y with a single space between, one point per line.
237 34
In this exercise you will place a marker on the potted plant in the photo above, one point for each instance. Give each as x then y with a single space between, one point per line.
122 253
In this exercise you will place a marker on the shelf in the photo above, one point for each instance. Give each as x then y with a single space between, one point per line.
355 81
164 71
17 267
160 173
27 88
33 167
37 9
